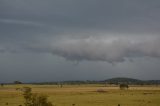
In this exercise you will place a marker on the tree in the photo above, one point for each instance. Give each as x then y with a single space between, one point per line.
17 82
2 84
123 86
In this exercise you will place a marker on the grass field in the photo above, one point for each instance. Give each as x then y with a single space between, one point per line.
85 95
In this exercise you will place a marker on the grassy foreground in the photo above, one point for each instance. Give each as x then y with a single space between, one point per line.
85 95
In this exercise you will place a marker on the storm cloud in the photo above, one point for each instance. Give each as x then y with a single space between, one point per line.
109 49
34 35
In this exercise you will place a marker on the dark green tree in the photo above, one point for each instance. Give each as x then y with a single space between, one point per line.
123 86
17 82
2 84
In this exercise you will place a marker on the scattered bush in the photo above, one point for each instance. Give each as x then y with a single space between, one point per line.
34 99
123 86
2 84
17 82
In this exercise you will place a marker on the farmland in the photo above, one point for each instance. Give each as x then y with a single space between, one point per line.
84 95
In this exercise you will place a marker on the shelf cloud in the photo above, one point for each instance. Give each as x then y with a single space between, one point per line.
109 49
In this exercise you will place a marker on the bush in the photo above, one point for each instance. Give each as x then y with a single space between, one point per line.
17 82
123 86
34 99
2 85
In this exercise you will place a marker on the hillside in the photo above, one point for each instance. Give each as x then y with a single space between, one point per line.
123 80
119 80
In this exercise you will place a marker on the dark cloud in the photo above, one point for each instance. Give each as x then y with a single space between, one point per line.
110 49
113 16
89 30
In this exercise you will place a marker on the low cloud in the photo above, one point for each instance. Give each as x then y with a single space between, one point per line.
109 49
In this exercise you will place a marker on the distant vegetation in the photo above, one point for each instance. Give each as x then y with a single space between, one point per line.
123 86
132 81
17 82
116 81
2 84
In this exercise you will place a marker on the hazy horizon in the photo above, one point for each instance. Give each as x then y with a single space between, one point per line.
56 40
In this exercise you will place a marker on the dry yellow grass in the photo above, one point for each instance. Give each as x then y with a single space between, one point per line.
85 95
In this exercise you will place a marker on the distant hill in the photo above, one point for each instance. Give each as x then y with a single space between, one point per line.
119 80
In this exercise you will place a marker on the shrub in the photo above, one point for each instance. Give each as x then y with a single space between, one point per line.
17 82
2 85
123 86
34 99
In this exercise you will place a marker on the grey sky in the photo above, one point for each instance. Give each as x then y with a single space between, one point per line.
51 40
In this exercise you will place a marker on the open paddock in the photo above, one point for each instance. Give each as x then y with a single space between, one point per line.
84 95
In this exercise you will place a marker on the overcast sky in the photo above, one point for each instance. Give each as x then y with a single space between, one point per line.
55 40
